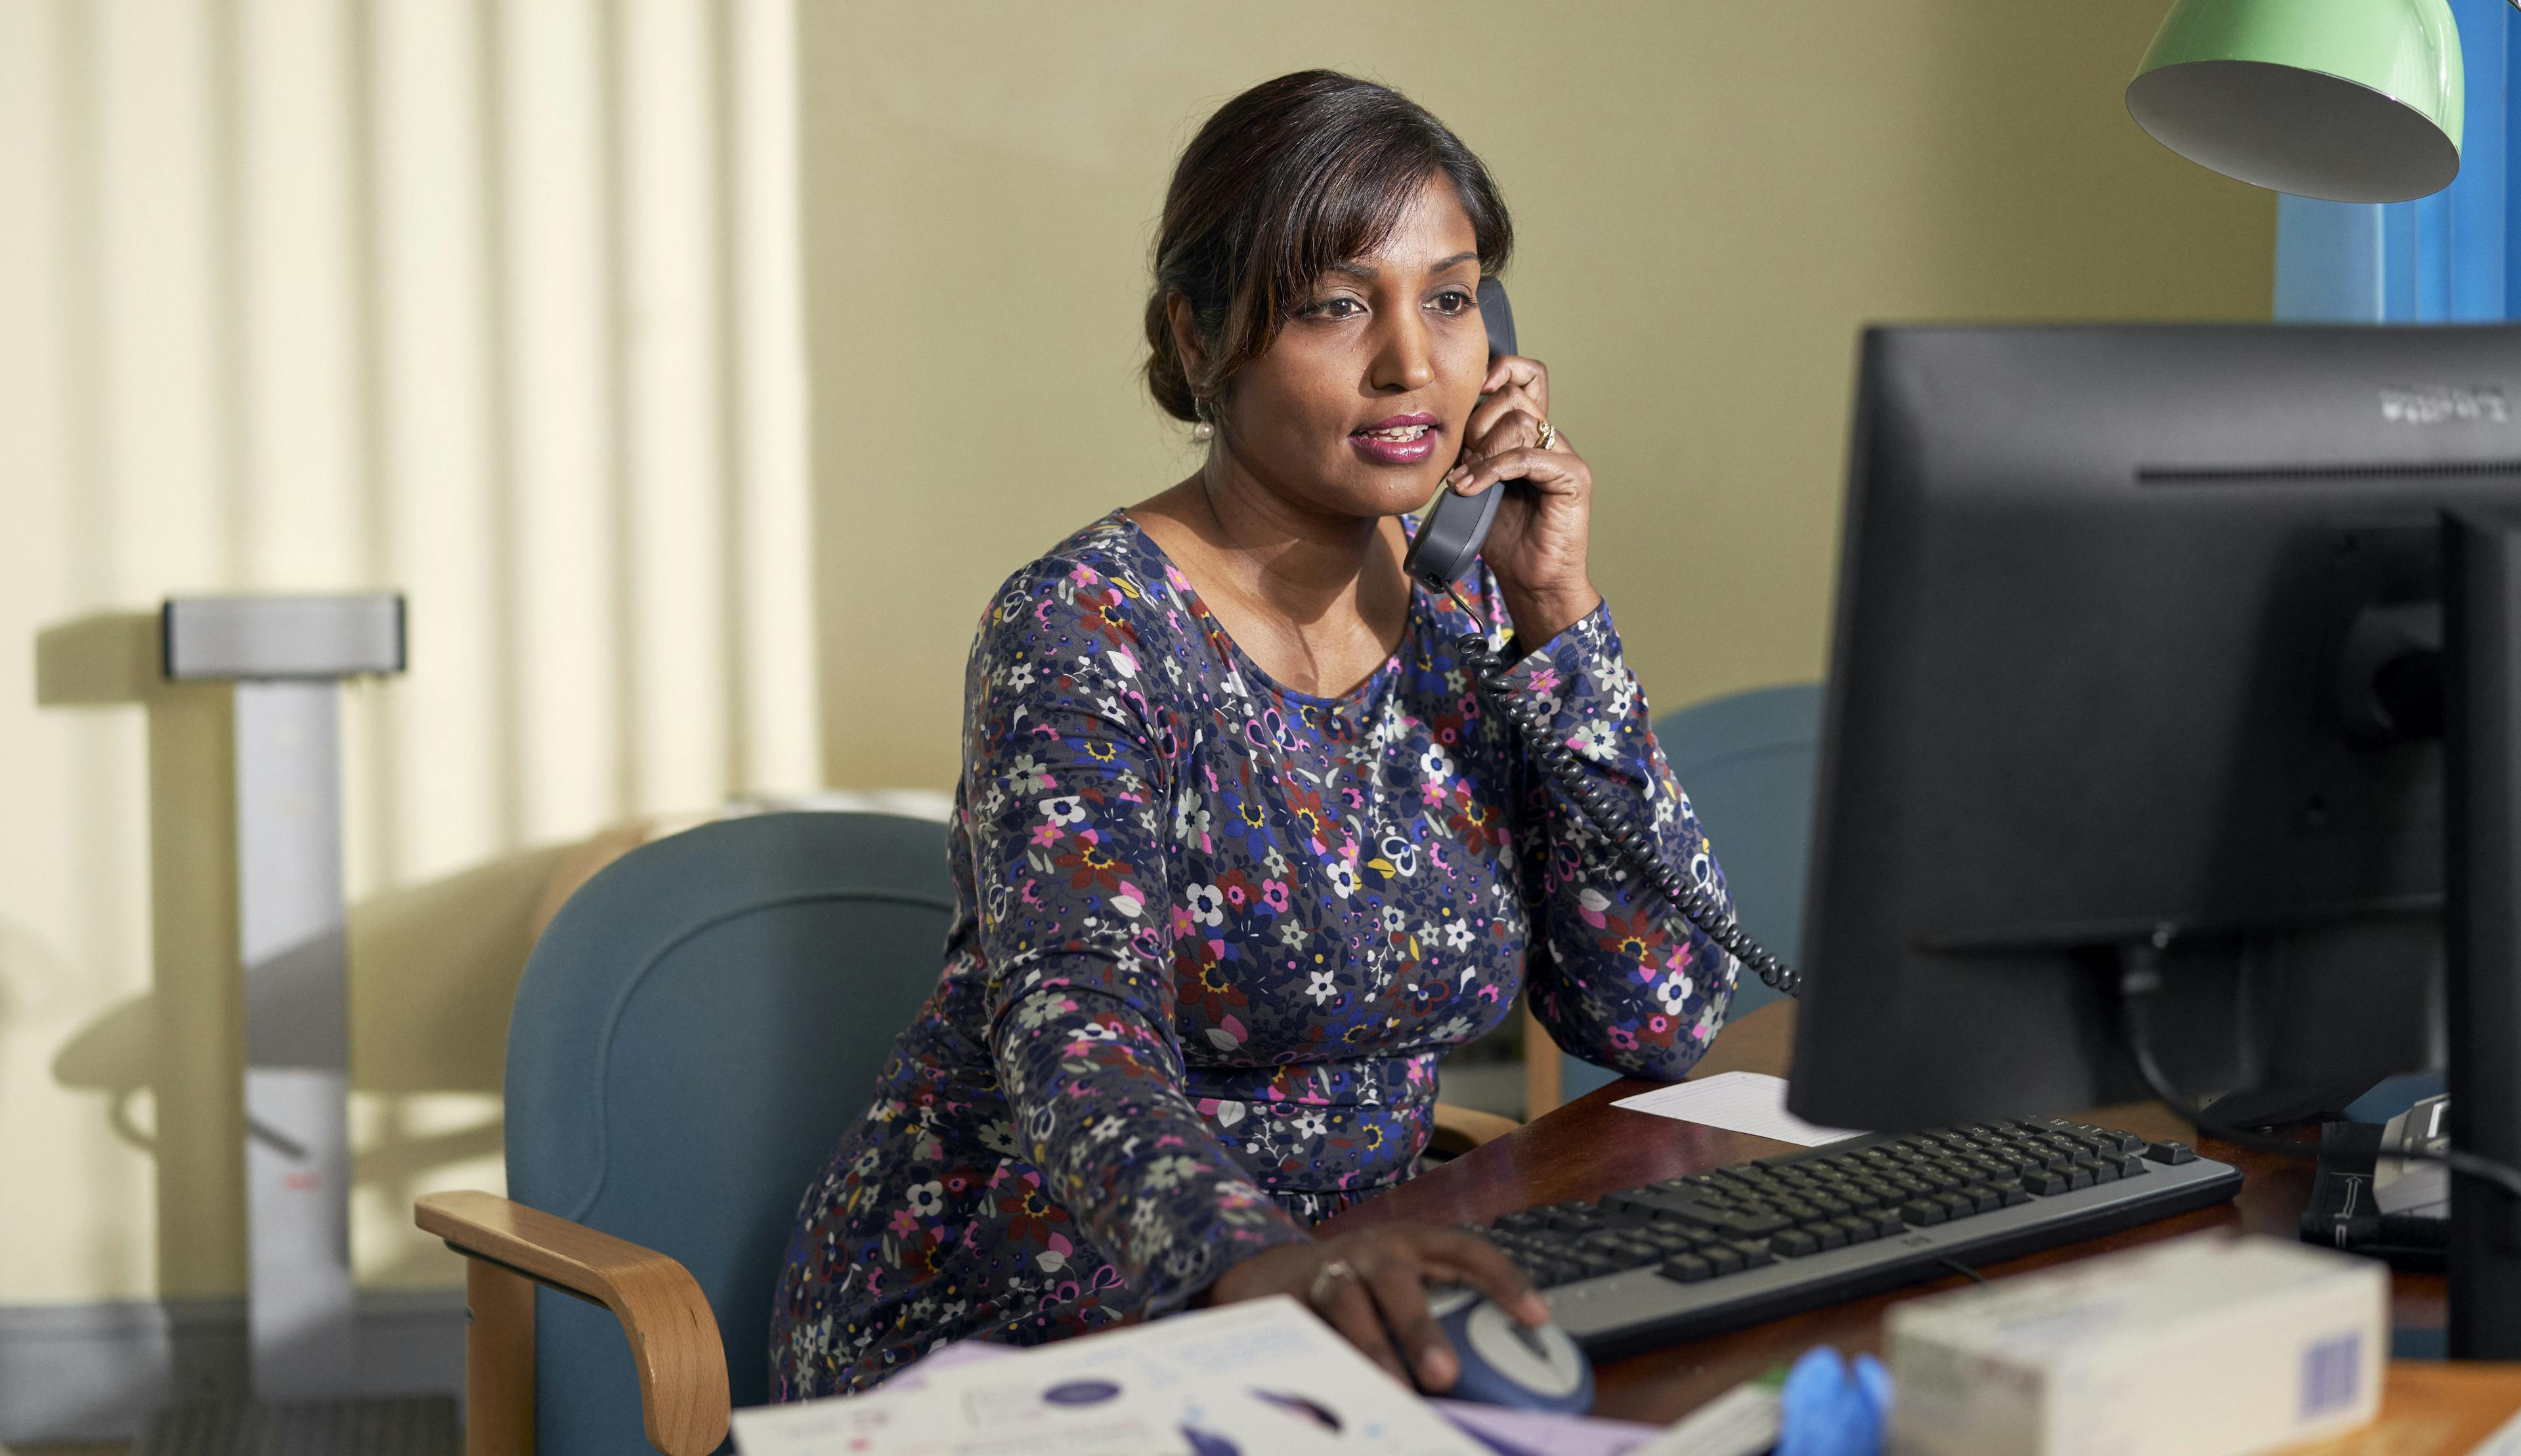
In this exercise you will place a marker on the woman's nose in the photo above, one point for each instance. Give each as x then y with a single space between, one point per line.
1405 361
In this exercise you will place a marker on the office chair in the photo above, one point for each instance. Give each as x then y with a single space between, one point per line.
1750 762
700 1024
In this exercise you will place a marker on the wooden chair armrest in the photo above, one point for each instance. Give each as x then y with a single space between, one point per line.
674 1336
1459 1130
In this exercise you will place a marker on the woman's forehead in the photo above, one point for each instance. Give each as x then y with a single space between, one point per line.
1433 231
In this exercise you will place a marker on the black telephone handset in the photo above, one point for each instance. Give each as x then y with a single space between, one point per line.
1448 541
1456 525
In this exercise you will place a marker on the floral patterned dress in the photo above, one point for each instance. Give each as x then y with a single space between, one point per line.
1213 938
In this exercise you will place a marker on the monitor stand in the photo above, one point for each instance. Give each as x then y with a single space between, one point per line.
2480 655
2482 919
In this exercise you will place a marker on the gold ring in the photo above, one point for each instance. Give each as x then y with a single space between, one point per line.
1322 1277
1548 435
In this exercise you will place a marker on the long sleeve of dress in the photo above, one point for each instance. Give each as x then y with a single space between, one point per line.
1072 776
1616 973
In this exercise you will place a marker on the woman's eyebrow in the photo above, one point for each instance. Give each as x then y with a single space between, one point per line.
1369 272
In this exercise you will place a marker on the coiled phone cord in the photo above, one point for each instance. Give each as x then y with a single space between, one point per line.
1695 905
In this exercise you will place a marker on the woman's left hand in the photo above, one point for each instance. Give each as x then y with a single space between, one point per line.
1538 546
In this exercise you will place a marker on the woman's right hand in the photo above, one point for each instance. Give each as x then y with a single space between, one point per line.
1371 1286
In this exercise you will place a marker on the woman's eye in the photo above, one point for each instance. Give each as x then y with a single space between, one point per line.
1338 308
1454 301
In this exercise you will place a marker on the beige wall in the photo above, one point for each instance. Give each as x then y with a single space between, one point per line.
1712 196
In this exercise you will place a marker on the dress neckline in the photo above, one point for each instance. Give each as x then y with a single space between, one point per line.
1367 689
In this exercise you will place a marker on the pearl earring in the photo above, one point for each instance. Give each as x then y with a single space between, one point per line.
1203 432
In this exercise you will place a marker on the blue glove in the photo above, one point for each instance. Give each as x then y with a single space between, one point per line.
1828 1409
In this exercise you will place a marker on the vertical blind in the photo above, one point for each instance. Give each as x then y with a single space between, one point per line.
493 301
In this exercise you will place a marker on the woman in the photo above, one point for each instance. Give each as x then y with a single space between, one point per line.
1240 851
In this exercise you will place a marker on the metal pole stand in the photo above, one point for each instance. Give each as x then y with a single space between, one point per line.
286 656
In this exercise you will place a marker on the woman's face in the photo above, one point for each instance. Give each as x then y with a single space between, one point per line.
1358 407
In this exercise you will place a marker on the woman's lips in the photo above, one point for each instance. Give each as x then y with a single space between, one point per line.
1399 441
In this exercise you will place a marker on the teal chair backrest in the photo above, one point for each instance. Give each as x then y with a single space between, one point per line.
1749 762
692 1035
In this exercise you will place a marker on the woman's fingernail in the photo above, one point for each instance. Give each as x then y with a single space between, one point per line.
1438 1368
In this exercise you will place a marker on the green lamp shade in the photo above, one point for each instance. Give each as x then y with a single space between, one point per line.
2357 101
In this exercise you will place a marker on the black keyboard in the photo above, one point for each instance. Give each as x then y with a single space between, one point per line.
1695 1255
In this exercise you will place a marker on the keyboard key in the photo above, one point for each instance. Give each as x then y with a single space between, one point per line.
2105 1168
1751 1224
1691 1210
1793 1243
1983 1198
2171 1154
1724 1258
1825 1234
1688 1268
1921 1212
1888 1221
2076 1176
1755 1253
2046 1183
2010 1193
1858 1230
2131 1165
1956 1204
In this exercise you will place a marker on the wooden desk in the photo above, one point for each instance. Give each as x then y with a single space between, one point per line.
1590 1148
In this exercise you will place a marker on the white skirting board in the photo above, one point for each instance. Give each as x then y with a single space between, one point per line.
94 1372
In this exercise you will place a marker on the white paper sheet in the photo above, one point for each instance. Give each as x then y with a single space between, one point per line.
1751 1102
1259 1377
1513 1433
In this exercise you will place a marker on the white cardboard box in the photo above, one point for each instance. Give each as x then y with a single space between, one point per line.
2206 1345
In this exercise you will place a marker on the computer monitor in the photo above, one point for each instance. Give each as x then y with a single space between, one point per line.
2138 637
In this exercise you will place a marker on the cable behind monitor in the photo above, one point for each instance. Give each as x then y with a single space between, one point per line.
2140 979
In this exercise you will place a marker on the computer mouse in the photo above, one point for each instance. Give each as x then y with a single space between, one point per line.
1506 1363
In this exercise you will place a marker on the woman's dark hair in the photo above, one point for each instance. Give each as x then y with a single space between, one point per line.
1287 179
